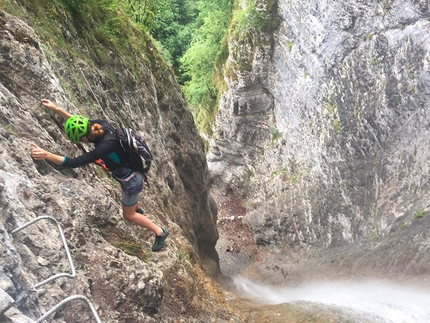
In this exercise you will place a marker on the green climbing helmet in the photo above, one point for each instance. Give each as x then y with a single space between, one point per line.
76 127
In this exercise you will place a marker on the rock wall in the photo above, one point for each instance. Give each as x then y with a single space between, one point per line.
325 138
115 268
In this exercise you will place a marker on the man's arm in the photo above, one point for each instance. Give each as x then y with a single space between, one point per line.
101 150
51 106
38 153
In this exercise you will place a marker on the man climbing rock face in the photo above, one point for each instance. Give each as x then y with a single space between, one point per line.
79 129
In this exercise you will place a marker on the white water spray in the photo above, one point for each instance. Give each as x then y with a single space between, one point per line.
396 303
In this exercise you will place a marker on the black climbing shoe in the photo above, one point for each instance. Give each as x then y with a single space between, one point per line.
159 240
140 210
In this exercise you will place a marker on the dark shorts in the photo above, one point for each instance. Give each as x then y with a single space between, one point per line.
131 189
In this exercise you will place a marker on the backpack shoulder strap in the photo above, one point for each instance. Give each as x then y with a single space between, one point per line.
110 136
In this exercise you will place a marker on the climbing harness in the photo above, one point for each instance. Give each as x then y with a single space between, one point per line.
99 162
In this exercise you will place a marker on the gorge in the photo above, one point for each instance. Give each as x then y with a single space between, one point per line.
316 177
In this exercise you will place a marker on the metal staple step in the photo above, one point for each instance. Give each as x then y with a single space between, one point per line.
69 275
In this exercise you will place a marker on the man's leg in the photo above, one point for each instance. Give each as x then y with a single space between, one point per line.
130 193
130 214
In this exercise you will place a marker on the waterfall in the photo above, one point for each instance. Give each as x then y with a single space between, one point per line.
397 302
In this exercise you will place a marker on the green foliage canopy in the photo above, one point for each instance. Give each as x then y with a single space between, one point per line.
198 62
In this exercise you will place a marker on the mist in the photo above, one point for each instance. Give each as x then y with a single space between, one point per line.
388 301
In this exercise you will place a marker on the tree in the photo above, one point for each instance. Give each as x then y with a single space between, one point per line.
198 63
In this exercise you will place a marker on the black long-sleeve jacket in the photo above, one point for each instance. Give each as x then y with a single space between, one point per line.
110 151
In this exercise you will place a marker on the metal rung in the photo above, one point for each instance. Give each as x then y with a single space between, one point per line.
73 274
66 300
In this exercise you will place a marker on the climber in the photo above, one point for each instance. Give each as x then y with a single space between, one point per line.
80 129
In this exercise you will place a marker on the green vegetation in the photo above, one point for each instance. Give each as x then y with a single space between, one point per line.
201 63
332 113
289 45
375 235
184 255
99 23
172 26
276 134
246 18
419 214
402 227
119 239
10 130
80 258
128 248
387 5
250 173
277 172
399 229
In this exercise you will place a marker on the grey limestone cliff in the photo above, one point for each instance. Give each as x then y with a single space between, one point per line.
325 138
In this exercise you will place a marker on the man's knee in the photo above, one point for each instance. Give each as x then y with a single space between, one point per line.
128 212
